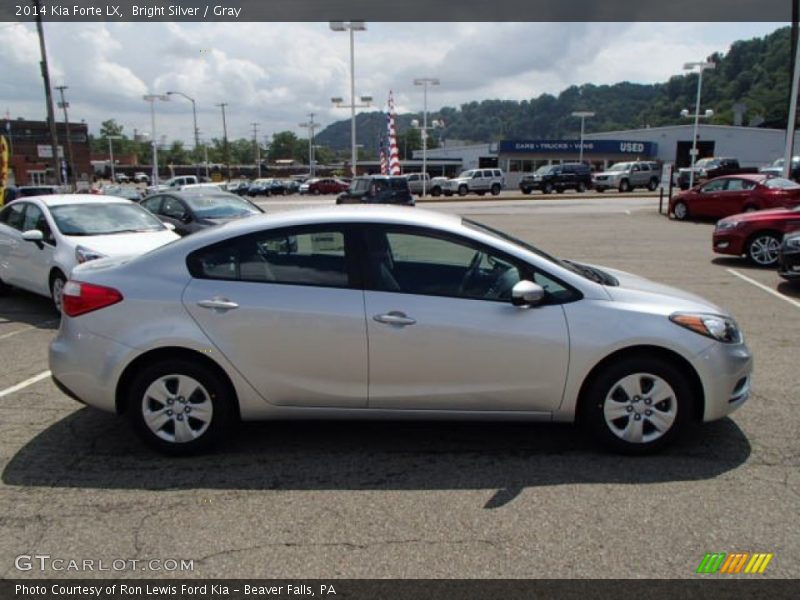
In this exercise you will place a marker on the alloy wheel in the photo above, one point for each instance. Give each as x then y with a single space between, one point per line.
763 250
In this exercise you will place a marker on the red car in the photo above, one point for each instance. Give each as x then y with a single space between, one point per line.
733 194
327 185
756 235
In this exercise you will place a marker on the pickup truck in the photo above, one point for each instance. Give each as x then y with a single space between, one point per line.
174 184
709 168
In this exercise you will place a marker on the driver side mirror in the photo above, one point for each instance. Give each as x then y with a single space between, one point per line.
526 293
33 235
185 218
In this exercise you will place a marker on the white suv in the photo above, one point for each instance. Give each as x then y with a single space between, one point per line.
477 181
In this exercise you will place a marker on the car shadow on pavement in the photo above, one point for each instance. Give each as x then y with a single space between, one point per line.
30 309
94 450
740 264
788 288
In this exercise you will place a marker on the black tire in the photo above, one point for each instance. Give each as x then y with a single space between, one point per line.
315 191
462 190
581 187
762 249
653 185
547 188
437 191
526 190
495 189
676 407
559 190
624 186
215 390
57 281
680 211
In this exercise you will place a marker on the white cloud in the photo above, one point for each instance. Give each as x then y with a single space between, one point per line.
275 73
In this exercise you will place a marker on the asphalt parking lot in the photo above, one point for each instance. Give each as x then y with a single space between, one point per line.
419 500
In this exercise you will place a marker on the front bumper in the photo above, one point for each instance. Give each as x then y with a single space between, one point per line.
727 243
725 371
789 264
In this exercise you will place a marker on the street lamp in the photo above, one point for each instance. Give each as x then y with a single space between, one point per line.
700 66
352 27
583 114
111 154
151 98
425 82
196 131
311 126
225 148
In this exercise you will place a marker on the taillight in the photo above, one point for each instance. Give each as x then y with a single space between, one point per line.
79 298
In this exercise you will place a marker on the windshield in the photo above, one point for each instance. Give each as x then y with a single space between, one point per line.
620 167
543 170
219 206
103 219
466 174
779 183
590 273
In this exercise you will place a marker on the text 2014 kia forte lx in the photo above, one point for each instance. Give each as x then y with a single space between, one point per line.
379 312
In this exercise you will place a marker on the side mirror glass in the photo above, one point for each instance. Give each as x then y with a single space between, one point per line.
526 293
169 226
33 235
186 218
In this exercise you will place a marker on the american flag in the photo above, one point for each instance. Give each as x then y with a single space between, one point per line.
394 154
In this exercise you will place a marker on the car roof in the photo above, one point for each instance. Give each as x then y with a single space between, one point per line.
751 176
62 199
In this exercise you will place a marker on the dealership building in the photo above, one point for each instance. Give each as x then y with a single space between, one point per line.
753 146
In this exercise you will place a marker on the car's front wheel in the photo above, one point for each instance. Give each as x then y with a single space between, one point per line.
763 249
638 405
462 190
180 407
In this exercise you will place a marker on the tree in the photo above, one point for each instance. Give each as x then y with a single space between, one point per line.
284 146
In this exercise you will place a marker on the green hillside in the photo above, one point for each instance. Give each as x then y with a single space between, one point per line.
755 73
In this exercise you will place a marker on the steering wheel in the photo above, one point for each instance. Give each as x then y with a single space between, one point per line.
472 270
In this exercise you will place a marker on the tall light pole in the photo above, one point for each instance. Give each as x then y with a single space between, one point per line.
111 154
225 148
196 131
48 94
151 98
700 66
256 149
583 115
792 120
425 82
352 27
311 126
64 105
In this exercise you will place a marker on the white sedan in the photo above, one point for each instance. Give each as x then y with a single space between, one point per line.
42 238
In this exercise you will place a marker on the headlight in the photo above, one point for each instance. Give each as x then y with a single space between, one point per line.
722 329
726 225
83 254
793 242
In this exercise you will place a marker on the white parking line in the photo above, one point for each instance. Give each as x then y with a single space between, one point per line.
24 384
29 328
769 290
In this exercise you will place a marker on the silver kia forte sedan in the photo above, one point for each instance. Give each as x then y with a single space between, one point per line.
386 313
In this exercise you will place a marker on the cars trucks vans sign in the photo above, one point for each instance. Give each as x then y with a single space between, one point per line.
633 148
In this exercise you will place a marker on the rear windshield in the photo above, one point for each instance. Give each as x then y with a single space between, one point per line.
219 206
779 183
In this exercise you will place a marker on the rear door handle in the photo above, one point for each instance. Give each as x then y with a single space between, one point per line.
394 317
217 303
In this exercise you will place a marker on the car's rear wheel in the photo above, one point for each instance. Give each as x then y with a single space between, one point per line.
548 187
763 249
462 190
180 407
638 405
681 211
495 189
57 282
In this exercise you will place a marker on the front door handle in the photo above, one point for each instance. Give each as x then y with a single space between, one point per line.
217 303
394 317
